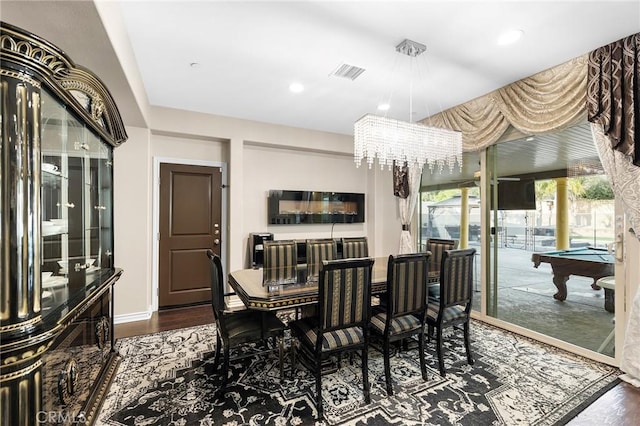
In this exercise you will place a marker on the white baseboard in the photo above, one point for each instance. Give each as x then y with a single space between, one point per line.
136 316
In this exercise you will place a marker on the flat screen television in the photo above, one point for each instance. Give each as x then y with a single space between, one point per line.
517 194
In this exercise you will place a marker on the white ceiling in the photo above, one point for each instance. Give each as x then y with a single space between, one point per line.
249 52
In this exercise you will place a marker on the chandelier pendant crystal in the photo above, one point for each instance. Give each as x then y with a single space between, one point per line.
415 144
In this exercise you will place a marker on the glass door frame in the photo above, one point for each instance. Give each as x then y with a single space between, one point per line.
489 271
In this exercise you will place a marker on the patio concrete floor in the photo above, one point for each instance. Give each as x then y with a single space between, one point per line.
525 298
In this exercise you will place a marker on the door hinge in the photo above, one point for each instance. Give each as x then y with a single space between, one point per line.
158 236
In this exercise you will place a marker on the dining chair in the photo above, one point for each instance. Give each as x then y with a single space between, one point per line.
453 308
319 250
437 246
237 328
354 247
342 320
403 315
280 262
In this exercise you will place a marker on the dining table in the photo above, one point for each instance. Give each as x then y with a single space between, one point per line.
249 286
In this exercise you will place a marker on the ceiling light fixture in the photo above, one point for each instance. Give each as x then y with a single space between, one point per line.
405 142
296 87
510 37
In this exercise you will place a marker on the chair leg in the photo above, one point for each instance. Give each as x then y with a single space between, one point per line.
319 387
225 366
423 364
293 357
439 346
365 374
429 333
387 367
467 343
281 356
216 358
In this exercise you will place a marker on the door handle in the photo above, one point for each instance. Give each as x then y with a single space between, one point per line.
619 247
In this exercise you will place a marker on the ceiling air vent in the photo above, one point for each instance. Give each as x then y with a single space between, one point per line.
347 71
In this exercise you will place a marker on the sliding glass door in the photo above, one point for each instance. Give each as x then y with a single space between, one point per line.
552 225
540 214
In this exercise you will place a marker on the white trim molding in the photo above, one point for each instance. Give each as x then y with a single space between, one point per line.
136 316
156 216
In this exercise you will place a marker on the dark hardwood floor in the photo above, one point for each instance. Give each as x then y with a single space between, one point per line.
619 407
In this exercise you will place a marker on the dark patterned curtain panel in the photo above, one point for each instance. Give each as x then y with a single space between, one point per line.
400 180
613 93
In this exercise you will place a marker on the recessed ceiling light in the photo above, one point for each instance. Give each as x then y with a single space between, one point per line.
384 107
296 87
510 37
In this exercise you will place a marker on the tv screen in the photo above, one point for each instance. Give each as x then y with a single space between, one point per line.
517 194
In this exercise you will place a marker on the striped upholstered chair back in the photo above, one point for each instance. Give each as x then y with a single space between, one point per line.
280 262
355 247
344 294
317 252
407 284
437 248
456 278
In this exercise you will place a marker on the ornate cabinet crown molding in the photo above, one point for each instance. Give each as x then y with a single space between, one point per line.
26 54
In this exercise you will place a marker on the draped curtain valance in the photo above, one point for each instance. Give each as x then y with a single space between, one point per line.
546 102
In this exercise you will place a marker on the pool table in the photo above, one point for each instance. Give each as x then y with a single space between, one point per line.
588 262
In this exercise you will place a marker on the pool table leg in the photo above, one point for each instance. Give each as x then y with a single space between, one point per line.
560 281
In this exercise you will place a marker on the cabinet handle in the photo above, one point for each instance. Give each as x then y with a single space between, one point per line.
99 207
102 331
67 380
80 266
69 205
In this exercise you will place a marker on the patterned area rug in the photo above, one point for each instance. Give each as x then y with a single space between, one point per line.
167 379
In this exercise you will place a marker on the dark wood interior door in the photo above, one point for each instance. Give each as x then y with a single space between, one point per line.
190 223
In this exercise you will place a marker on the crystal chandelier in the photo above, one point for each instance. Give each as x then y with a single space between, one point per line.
405 142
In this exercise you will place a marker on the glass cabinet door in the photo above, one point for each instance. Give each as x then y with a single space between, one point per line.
54 203
77 236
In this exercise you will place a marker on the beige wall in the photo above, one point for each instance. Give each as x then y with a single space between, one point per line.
258 157
267 168
132 224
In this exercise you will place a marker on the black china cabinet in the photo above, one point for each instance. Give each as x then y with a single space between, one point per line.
59 128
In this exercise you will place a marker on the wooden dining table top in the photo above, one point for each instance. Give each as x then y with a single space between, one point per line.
248 285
